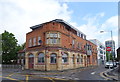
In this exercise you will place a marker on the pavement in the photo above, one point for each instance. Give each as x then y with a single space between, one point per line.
114 74
72 75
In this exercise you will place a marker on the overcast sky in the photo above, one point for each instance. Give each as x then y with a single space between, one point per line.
89 17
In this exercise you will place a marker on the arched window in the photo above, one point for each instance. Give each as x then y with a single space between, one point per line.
78 58
81 58
31 55
41 58
73 59
53 58
64 58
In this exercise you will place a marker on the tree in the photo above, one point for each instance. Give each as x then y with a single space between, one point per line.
9 47
109 56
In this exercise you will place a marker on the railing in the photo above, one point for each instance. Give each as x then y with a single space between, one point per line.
11 66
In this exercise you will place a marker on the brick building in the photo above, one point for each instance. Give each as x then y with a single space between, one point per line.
56 45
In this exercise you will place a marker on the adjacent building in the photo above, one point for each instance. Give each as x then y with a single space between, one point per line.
111 43
56 45
21 57
101 51
118 53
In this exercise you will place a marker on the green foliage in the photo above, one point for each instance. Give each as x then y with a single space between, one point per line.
109 56
9 47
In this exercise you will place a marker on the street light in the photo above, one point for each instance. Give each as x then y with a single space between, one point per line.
111 46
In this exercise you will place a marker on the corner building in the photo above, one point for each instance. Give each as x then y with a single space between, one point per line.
56 45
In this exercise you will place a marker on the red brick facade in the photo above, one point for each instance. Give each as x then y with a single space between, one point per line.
67 40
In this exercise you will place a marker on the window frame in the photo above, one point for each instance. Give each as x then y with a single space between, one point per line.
54 57
78 58
30 42
64 58
34 41
52 38
39 38
41 58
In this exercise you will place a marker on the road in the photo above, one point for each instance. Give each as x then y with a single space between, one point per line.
88 73
91 74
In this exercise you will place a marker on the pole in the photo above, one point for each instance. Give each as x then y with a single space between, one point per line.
109 59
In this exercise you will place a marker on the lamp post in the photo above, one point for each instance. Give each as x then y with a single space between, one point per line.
111 46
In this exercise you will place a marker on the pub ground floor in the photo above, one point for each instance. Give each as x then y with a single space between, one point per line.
57 59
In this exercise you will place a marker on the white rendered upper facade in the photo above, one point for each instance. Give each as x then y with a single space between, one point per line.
101 54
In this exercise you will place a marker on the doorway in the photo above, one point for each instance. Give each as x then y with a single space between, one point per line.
31 61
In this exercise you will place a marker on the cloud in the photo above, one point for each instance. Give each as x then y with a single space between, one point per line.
111 23
93 27
18 15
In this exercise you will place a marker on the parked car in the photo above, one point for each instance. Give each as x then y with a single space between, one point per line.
109 64
117 63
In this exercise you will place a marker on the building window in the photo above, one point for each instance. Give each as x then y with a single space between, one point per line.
41 58
73 43
81 58
79 45
73 59
78 58
30 42
53 58
84 37
22 54
53 38
65 58
78 33
39 40
22 61
34 41
81 35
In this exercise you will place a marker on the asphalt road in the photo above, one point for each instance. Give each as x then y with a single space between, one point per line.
88 73
91 74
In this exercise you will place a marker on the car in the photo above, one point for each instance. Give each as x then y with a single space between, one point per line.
117 63
109 65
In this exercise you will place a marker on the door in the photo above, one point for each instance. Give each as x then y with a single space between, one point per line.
31 61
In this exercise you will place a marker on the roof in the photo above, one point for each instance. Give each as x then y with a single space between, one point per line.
22 51
59 21
96 42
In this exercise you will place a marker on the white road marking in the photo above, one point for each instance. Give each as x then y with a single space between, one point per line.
93 73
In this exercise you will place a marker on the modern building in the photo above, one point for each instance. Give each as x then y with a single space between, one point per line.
111 43
118 53
101 51
56 45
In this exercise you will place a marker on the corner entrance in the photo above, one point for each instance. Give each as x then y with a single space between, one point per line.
31 61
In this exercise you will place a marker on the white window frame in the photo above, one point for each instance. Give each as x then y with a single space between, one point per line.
34 41
54 56
64 58
39 38
41 58
54 38
73 43
30 42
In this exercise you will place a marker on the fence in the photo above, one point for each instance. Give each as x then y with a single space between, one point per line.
11 66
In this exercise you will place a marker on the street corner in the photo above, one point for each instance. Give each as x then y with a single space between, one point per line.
107 75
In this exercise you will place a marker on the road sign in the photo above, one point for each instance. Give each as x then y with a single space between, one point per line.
108 48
